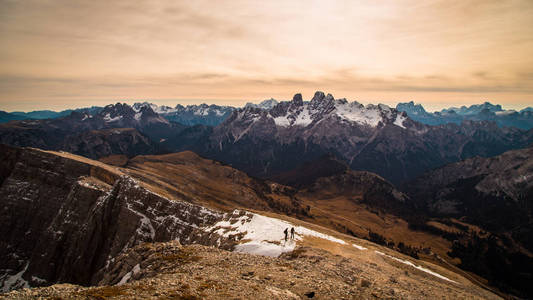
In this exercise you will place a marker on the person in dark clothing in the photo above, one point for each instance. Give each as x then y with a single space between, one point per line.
286 231
292 233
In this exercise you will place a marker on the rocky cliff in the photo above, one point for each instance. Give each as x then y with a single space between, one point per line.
64 218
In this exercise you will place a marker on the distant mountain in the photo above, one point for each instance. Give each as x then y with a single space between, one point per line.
6 117
418 113
49 114
486 190
191 115
473 109
105 142
374 138
267 142
309 172
40 114
328 177
480 112
265 104
94 135
496 195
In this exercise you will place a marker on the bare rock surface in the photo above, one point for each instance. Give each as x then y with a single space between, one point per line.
172 271
64 218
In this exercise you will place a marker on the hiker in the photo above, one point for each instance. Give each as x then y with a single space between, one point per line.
286 231
292 233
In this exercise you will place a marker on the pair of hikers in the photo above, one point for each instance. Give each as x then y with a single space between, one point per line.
286 231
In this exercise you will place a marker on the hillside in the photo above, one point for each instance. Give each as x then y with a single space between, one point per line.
83 217
172 271
357 203
324 192
495 195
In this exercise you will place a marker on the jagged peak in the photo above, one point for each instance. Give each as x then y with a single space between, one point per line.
322 106
319 96
117 109
297 99
265 104
384 107
343 101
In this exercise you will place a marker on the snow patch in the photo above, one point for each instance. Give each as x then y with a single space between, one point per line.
12 282
415 266
38 280
89 185
399 121
506 112
282 121
264 235
359 247
145 228
136 269
357 113
303 118
125 278
108 118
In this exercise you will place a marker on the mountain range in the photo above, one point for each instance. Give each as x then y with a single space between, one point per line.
213 115
522 119
496 195
374 138
265 142
456 195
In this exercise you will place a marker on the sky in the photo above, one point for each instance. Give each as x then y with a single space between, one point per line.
68 53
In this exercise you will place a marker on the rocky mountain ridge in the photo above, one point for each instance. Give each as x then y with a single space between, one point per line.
495 194
267 142
522 119
265 104
191 115
212 115
374 138
66 217
116 129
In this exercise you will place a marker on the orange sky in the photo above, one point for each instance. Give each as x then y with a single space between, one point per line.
64 53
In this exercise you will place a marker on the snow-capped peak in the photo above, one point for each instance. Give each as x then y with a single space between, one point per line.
322 106
131 116
473 109
156 108
265 104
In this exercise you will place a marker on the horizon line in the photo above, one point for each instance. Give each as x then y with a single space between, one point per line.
192 101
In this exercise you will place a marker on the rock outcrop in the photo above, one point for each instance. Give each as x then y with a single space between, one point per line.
172 271
64 218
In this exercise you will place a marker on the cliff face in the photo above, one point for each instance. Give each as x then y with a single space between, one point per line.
64 218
